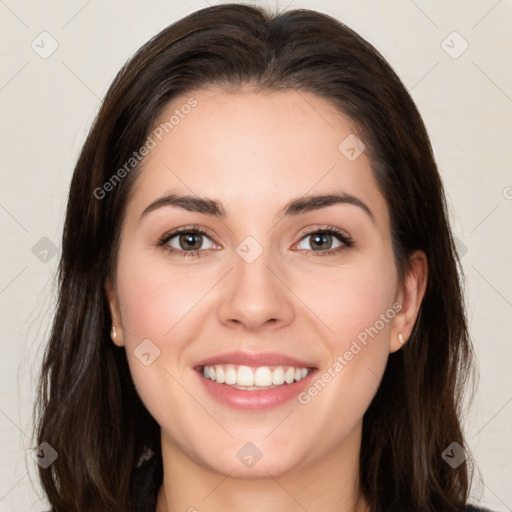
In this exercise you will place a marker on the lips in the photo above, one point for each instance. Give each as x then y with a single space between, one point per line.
277 379
255 360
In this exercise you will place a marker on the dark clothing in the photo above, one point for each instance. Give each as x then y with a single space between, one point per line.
148 479
146 482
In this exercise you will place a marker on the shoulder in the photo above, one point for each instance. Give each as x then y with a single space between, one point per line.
473 508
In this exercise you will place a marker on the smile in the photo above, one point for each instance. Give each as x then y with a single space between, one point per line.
254 378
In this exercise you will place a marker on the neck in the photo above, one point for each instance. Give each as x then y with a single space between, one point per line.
330 484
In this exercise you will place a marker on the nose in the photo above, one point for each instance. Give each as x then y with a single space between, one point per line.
255 295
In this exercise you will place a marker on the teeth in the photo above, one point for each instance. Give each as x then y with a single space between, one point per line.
230 375
289 375
220 375
278 376
244 377
263 376
253 378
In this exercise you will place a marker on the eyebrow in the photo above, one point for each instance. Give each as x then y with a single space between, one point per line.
297 206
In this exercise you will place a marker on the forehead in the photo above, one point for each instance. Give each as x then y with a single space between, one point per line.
254 150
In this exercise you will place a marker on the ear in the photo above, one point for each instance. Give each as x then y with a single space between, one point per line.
410 296
113 305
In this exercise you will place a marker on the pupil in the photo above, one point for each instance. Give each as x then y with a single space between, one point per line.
191 239
319 239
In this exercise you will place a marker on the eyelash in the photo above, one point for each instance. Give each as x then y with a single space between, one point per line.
330 230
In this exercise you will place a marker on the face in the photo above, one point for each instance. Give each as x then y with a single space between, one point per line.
261 284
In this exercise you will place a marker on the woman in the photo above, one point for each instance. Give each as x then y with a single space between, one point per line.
260 303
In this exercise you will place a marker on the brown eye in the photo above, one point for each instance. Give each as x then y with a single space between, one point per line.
321 241
325 240
189 241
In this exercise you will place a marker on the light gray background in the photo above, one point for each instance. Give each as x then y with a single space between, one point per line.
48 106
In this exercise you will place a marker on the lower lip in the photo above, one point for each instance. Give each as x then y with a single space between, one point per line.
255 400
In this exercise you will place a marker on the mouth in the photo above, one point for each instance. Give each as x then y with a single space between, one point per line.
249 378
254 381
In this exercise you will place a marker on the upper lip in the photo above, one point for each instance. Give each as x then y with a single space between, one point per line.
255 359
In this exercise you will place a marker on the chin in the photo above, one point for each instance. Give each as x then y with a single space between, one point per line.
247 459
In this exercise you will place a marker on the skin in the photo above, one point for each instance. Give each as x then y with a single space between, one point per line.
255 153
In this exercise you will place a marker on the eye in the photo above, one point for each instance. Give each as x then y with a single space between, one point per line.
191 241
325 241
187 242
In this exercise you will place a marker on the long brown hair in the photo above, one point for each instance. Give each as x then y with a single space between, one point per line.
87 407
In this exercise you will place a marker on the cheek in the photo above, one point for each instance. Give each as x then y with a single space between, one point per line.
151 305
157 306
154 298
354 300
357 307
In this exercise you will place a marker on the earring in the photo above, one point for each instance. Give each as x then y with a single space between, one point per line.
113 333
401 338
